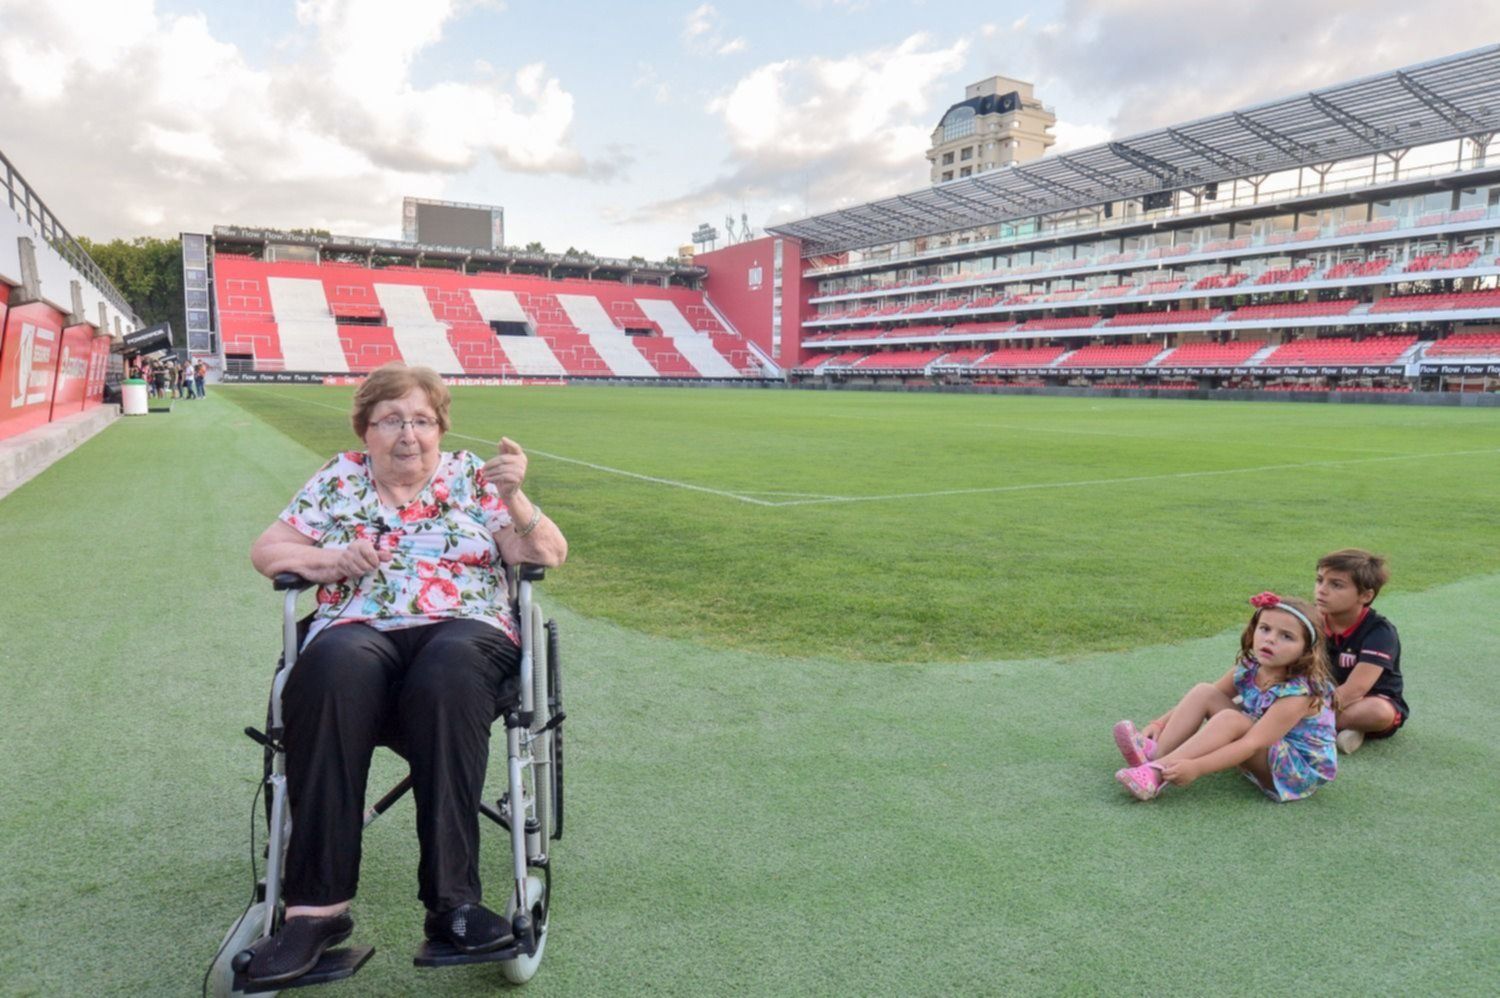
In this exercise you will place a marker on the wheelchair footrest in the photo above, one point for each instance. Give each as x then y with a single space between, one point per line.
440 954
333 965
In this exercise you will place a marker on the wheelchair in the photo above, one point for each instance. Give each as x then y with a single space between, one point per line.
530 811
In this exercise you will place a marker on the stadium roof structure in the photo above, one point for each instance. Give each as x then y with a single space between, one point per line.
1454 97
329 243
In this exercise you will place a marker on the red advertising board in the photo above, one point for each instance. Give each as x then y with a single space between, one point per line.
98 369
29 352
72 371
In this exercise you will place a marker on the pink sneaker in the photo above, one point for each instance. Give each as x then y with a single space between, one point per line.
1136 749
1143 782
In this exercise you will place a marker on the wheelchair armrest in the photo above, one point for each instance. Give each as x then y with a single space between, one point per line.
532 573
290 580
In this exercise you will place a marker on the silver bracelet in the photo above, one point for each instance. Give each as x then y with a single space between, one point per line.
536 517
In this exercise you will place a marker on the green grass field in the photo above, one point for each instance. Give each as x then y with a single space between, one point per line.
955 528
855 745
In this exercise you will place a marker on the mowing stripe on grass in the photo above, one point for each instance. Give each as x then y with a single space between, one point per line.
814 499
1033 486
573 460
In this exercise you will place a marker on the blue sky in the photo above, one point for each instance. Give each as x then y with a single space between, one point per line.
610 127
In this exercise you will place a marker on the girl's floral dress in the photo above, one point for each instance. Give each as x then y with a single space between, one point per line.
1305 759
446 564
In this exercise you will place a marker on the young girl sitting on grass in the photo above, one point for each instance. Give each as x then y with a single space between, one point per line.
1270 715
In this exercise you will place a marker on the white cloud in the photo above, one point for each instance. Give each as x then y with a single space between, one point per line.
1072 136
647 79
703 31
700 21
1152 63
828 131
198 135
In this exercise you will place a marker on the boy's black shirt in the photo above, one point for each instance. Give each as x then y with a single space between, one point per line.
1374 640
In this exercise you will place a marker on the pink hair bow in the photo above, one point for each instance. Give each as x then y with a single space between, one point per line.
1262 600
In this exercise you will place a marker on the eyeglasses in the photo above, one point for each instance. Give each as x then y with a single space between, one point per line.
395 424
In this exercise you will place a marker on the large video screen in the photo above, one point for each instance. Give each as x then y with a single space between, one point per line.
470 226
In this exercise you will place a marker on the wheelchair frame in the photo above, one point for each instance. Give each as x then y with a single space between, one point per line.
530 810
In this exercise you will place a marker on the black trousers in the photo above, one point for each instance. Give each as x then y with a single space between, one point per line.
431 692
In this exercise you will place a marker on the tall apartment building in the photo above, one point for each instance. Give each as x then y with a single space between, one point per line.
999 122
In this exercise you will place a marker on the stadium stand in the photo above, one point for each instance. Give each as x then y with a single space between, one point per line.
337 318
1213 354
1216 281
1489 299
1293 310
1160 318
1059 322
1466 345
1111 355
1340 350
1021 357
899 360
1356 268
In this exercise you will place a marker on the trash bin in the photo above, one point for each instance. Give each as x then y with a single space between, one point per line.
133 397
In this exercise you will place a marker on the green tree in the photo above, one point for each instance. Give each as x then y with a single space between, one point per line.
148 272
535 247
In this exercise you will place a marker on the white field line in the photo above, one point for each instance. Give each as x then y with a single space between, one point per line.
990 490
573 460
1033 486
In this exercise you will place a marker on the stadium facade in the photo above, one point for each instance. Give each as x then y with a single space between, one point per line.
59 317
1346 238
1343 238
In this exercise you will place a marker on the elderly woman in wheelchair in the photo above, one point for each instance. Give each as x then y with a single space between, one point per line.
414 643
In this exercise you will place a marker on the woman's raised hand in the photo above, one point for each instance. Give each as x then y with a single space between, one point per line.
507 470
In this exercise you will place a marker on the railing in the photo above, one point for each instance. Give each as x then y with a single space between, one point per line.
31 209
1400 225
1238 198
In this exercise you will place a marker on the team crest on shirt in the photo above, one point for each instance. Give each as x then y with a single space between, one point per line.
1346 660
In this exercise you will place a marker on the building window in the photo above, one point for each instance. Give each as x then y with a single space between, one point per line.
947 174
966 171
947 159
966 153
957 123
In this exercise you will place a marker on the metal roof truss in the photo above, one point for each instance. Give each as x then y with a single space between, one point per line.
1450 98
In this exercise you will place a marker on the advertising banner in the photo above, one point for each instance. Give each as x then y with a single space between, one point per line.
317 378
29 351
72 370
1465 370
149 340
98 370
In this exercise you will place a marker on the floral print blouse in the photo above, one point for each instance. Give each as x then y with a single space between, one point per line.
446 563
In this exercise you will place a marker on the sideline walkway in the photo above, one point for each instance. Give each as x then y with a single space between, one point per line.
26 455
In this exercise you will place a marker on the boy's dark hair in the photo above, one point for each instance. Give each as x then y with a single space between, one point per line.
1367 570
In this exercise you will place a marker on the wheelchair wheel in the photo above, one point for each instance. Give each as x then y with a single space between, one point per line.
523 968
239 937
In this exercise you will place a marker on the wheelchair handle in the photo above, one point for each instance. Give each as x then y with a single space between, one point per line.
290 580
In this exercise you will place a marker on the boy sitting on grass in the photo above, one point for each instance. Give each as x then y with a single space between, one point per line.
1364 650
